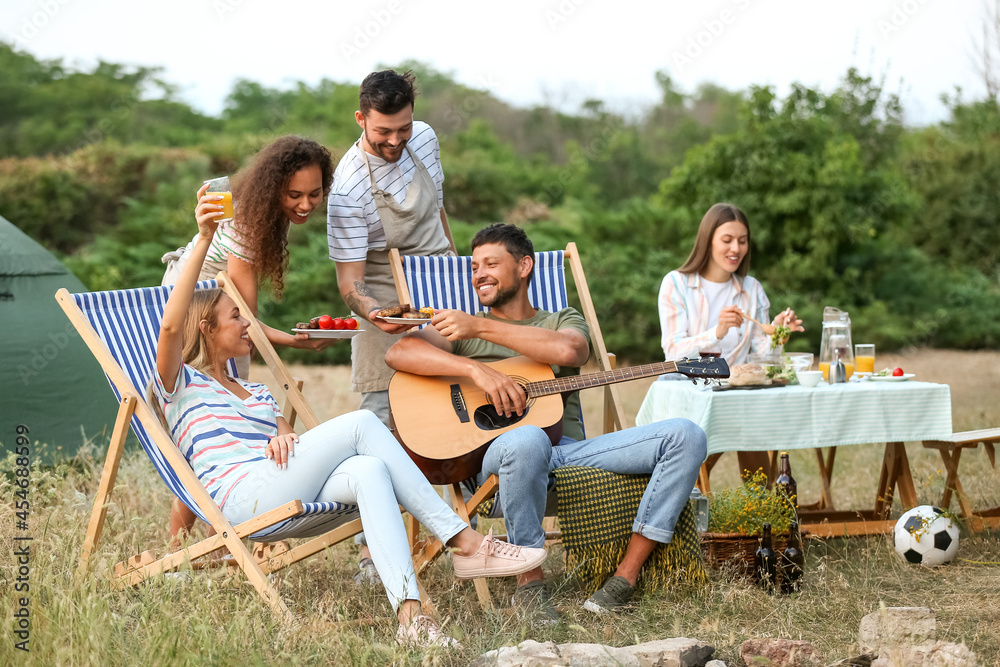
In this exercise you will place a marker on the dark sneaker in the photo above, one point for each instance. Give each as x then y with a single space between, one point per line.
612 596
533 600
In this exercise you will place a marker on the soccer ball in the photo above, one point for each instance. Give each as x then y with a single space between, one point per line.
924 536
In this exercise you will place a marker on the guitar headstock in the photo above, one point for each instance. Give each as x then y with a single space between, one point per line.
714 368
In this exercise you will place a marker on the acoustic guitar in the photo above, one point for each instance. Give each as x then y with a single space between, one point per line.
446 423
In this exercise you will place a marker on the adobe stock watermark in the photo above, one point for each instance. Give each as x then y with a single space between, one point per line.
456 115
899 16
712 30
49 349
33 23
224 7
365 34
561 12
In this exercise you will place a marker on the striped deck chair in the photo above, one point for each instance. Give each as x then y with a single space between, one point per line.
121 330
446 282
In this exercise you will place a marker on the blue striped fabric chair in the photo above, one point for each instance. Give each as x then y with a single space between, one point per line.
446 282
121 330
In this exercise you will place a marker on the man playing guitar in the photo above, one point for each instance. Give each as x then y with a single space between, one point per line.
459 344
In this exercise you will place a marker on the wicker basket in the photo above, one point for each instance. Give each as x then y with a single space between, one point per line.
735 551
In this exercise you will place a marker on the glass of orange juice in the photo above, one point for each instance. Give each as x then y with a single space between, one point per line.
220 186
864 357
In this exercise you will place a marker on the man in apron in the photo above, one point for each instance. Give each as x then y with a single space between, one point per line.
387 193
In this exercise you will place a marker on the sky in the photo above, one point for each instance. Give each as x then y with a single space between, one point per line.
526 52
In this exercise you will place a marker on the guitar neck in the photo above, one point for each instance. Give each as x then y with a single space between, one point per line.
577 382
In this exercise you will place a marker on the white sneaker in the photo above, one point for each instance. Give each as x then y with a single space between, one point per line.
497 559
423 632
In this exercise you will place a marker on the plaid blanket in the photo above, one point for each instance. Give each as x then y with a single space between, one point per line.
596 512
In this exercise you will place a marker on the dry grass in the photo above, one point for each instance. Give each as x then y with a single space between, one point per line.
212 620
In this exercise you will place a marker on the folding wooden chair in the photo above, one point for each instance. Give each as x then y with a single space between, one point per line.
121 330
446 282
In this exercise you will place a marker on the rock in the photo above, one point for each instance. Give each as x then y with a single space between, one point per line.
929 654
896 626
678 652
715 663
780 652
864 660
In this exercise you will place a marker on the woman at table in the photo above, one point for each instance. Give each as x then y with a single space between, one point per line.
282 185
701 304
248 458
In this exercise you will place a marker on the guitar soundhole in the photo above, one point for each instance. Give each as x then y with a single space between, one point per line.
488 419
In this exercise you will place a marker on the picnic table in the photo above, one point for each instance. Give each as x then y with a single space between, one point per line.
826 416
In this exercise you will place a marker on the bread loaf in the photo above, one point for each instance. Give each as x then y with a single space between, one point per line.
744 375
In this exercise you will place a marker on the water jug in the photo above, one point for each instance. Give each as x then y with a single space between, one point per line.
836 342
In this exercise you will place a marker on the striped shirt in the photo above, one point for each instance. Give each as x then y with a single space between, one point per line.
352 221
227 239
684 326
221 436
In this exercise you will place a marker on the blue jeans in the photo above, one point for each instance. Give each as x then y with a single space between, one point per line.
670 451
354 459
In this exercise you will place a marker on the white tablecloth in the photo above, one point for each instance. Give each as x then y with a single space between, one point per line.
797 417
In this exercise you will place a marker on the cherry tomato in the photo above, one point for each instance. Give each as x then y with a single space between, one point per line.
326 322
350 323
896 372
338 323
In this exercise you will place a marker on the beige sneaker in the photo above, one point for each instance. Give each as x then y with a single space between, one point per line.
423 632
497 559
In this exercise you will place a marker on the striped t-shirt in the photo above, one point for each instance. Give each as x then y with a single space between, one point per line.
352 221
227 239
221 436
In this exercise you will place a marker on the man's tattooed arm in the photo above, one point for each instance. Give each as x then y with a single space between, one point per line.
361 299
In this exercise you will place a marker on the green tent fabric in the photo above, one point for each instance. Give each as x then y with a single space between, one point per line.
49 381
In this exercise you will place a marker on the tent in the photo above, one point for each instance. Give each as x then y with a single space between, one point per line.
50 384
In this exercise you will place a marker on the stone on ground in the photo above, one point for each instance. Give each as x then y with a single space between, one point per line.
677 652
780 653
896 626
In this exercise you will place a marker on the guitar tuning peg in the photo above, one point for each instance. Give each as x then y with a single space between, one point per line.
694 381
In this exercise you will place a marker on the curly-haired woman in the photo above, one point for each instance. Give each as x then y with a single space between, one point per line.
282 185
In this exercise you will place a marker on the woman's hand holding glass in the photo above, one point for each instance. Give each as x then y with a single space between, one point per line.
207 212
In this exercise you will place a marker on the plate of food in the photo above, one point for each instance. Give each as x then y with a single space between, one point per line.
329 333
405 314
750 376
325 326
890 375
891 378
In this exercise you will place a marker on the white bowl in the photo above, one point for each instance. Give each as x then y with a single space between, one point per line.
809 378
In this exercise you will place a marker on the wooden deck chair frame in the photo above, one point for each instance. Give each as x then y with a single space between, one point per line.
426 551
256 565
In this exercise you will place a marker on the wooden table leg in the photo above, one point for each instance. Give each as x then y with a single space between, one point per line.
886 482
907 491
953 482
706 469
825 473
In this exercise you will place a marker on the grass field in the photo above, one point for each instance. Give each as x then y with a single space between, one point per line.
211 619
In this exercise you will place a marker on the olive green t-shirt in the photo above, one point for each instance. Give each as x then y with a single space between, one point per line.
567 318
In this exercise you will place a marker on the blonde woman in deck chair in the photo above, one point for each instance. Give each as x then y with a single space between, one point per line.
250 461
